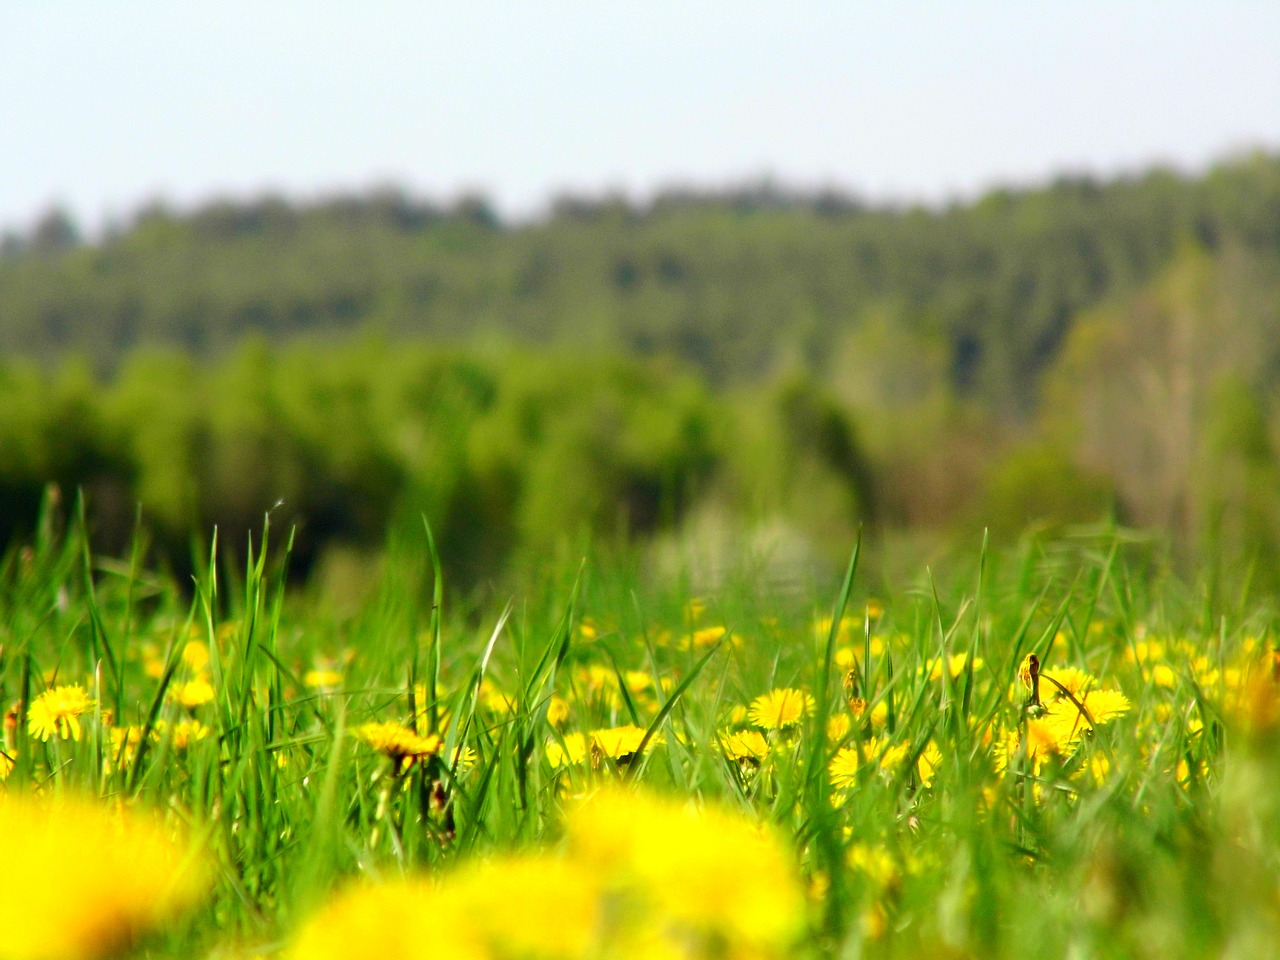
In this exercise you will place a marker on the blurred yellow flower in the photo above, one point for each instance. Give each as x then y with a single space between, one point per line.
322 678
182 734
56 712
196 656
192 693
780 708
392 921
81 880
399 743
956 665
695 875
557 710
525 906
124 741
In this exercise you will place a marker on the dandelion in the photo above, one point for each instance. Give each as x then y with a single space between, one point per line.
571 752
780 708
404 921
690 875
196 656
82 881
181 734
843 769
322 679
956 665
398 743
557 710
1105 705
618 743
496 700
193 693
124 743
706 637
746 746
928 763
56 712
504 904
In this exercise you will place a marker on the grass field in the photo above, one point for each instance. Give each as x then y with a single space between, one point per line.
1057 751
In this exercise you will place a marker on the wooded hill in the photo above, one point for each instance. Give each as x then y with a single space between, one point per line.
739 283
1051 354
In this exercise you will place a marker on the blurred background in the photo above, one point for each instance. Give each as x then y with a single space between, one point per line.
696 281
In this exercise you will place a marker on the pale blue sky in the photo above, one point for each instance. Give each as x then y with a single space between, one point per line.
104 106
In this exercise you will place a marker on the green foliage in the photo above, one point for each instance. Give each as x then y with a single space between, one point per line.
511 453
738 283
1038 485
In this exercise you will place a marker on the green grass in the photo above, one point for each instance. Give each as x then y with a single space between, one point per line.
1158 836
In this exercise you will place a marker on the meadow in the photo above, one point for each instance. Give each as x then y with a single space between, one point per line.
1056 750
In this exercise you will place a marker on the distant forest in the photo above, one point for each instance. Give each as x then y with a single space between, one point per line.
1052 353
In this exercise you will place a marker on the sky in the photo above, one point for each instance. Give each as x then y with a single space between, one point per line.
105 107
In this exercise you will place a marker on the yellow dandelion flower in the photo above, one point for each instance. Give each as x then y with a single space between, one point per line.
744 746
557 710
707 636
1145 651
780 708
403 920
81 880
956 665
838 727
699 875
1105 705
637 680
192 693
619 743
1050 735
843 768
56 712
495 700
322 678
182 734
398 743
152 661
196 656
1076 681
124 742
928 763
505 904
891 757
572 751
